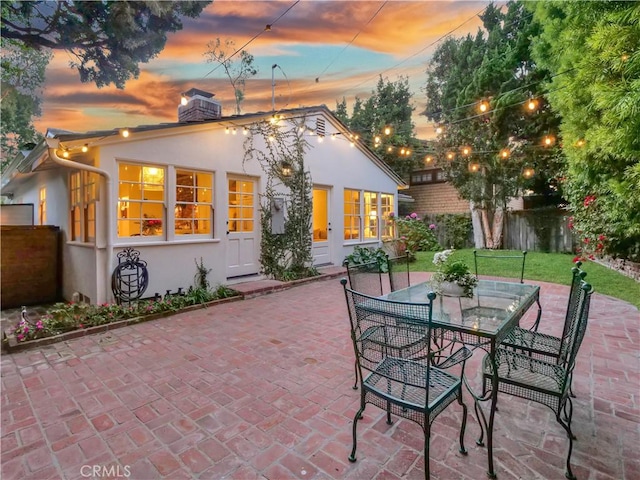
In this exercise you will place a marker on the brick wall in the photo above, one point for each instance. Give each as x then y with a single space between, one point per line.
436 198
30 257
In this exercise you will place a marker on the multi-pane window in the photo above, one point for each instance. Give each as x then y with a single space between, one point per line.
141 200
90 196
435 175
241 206
351 214
42 206
386 209
83 195
371 215
194 202
367 214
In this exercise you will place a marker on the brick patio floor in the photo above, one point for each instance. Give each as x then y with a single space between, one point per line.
261 388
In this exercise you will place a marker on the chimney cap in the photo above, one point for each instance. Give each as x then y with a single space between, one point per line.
194 91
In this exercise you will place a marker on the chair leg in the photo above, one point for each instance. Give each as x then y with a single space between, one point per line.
427 438
355 385
462 450
352 457
567 426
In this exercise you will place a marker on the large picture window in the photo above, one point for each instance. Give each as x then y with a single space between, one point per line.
194 202
141 200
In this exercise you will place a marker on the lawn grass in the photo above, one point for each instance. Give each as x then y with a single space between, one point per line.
546 267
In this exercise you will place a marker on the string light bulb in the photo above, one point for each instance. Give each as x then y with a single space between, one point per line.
439 130
245 131
428 159
528 172
407 152
226 131
504 153
387 130
532 104
450 156
548 140
389 149
402 151
466 150
124 132
377 140
474 167
234 131
183 100
85 148
483 106
580 143
65 153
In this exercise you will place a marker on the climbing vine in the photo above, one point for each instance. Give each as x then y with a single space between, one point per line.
279 147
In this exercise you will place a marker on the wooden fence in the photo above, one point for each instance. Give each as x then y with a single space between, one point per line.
542 230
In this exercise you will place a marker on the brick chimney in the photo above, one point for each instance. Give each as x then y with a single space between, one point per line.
198 105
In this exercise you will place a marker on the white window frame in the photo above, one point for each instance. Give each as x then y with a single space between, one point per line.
369 216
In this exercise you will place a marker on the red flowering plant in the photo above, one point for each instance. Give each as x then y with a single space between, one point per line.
586 224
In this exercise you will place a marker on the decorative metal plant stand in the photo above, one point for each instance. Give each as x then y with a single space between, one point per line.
130 278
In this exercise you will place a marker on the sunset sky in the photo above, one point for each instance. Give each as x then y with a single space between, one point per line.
314 39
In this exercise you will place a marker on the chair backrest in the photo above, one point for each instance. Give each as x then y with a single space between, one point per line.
573 340
398 272
518 259
365 278
571 315
382 328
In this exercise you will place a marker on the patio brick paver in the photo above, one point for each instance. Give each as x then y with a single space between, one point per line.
262 389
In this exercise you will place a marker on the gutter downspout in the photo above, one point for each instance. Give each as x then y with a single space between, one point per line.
53 144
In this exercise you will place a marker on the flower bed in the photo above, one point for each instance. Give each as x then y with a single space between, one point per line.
71 320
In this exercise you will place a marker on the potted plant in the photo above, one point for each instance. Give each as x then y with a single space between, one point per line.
452 278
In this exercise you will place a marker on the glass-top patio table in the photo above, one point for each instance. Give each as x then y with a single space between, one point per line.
479 322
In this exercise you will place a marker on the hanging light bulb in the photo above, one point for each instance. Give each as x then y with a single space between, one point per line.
428 159
504 153
389 149
65 153
402 152
226 131
333 136
387 130
407 152
483 106
439 130
245 130
580 143
85 148
320 138
450 155
466 150
528 172
474 167
377 140
548 140
532 104
183 99
124 132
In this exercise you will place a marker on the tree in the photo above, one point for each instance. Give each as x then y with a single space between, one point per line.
22 78
478 88
593 51
108 39
236 72
388 107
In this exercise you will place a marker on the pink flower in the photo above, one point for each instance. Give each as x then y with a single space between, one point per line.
432 226
26 329
39 325
414 215
391 214
20 337
80 325
588 200
601 238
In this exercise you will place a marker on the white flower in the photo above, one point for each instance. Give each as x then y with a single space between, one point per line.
440 258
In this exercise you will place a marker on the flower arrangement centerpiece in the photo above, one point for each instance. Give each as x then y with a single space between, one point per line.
452 278
151 226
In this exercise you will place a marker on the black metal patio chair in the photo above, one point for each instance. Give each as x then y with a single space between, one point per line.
366 278
549 347
547 383
412 389
487 256
398 272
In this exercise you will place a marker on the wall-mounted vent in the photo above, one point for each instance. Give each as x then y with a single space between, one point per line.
320 127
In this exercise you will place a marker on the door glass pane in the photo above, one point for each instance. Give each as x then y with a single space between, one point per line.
320 215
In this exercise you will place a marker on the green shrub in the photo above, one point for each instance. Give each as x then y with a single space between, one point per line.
362 255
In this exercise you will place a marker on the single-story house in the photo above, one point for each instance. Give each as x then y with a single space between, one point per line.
181 192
